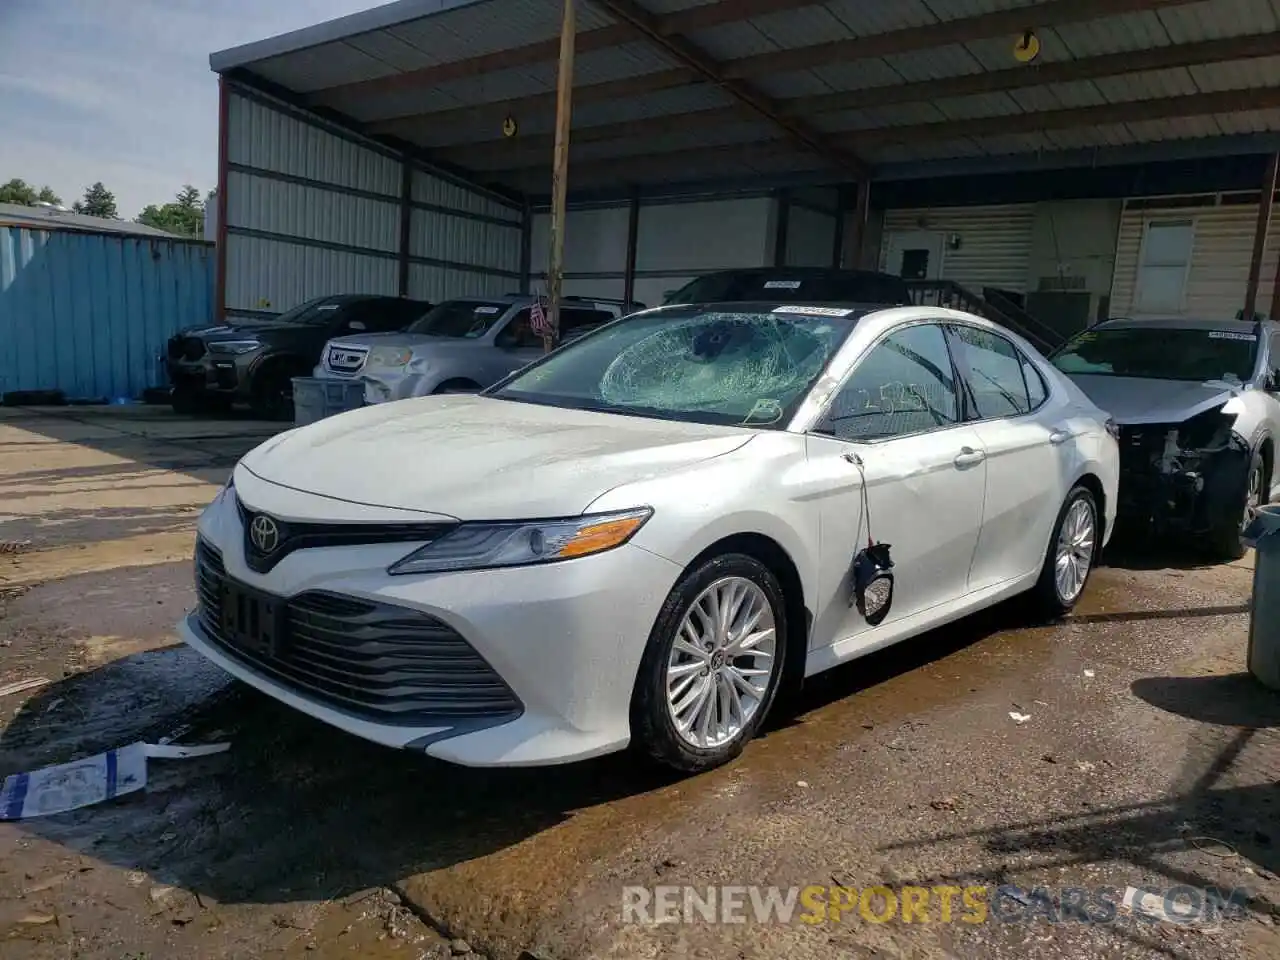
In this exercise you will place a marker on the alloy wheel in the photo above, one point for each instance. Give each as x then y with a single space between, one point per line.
721 662
1074 554
1253 499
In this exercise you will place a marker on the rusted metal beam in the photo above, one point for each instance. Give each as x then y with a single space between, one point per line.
543 51
220 205
692 56
633 237
861 209
560 170
963 30
1260 232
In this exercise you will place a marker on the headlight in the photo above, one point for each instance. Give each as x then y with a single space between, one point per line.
390 356
234 346
476 546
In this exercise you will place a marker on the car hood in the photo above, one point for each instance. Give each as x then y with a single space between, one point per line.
477 458
1137 400
229 331
421 343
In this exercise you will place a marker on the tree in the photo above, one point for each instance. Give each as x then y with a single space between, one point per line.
21 192
183 216
98 202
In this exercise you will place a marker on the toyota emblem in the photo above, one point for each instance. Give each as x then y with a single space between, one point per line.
264 534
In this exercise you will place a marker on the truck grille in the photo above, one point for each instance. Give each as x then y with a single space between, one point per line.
381 662
186 348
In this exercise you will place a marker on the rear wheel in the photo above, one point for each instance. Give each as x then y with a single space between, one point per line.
1073 548
712 667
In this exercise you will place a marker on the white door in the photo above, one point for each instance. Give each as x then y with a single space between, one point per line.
915 254
1027 457
925 473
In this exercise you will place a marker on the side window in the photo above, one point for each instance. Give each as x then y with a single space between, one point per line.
1037 389
575 322
518 333
992 368
385 316
904 385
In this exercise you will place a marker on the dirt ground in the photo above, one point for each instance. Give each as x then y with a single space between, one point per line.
1142 756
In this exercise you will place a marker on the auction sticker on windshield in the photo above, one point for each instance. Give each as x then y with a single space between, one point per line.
485 311
814 311
782 284
1224 335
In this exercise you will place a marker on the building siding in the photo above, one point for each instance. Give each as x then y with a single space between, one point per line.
312 213
995 242
1220 255
89 314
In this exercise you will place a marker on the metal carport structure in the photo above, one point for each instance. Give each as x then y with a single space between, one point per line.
420 134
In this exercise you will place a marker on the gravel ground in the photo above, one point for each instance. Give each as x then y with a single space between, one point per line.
1147 759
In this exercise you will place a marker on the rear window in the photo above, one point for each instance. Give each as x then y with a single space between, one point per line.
779 286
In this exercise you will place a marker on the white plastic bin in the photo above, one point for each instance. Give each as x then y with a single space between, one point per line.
314 399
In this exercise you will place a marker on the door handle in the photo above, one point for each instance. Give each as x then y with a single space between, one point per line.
968 456
1059 437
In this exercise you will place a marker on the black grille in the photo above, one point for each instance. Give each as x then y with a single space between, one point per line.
186 348
373 660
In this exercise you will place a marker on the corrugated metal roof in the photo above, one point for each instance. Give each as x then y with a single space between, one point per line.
45 218
415 35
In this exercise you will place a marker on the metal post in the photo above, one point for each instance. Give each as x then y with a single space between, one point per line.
560 170
781 227
633 233
406 225
861 209
526 248
220 205
1260 236
837 241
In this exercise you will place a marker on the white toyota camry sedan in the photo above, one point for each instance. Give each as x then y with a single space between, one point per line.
639 538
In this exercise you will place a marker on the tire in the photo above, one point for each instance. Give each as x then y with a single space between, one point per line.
653 721
272 392
1048 596
1224 540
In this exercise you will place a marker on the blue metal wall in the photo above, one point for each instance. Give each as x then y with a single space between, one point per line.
89 313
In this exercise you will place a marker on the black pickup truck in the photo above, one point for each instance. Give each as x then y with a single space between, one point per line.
254 361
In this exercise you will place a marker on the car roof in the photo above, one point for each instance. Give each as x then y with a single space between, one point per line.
805 272
1182 323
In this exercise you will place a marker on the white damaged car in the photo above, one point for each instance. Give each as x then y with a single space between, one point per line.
640 537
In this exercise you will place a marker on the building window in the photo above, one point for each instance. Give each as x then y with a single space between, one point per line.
1163 265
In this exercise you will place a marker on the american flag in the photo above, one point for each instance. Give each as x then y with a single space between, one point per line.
538 321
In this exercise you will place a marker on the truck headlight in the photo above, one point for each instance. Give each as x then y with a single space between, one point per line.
390 356
235 347
478 546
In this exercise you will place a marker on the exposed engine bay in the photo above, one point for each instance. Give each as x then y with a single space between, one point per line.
1183 476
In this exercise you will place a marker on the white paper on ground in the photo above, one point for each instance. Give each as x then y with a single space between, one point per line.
171 751
69 786
20 686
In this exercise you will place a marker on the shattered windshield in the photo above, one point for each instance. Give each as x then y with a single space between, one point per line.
1161 353
751 368
460 319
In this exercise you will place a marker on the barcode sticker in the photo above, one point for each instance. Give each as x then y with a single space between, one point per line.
1224 335
486 311
782 284
813 311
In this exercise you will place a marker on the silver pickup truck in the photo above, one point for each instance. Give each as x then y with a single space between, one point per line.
460 346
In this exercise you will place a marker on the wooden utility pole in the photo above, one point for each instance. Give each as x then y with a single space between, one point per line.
1260 237
560 171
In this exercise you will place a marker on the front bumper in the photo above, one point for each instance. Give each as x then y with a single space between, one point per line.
212 374
385 385
1187 493
565 639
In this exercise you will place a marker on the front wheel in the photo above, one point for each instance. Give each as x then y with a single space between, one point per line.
712 666
1225 539
1070 557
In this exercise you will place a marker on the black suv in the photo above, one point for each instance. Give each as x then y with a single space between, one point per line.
795 285
255 361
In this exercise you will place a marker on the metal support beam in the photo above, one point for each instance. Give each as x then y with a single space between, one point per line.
526 249
837 239
220 233
1274 315
697 59
861 211
406 225
1260 231
781 228
633 235
560 170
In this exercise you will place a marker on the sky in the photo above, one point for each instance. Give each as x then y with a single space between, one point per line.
120 90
